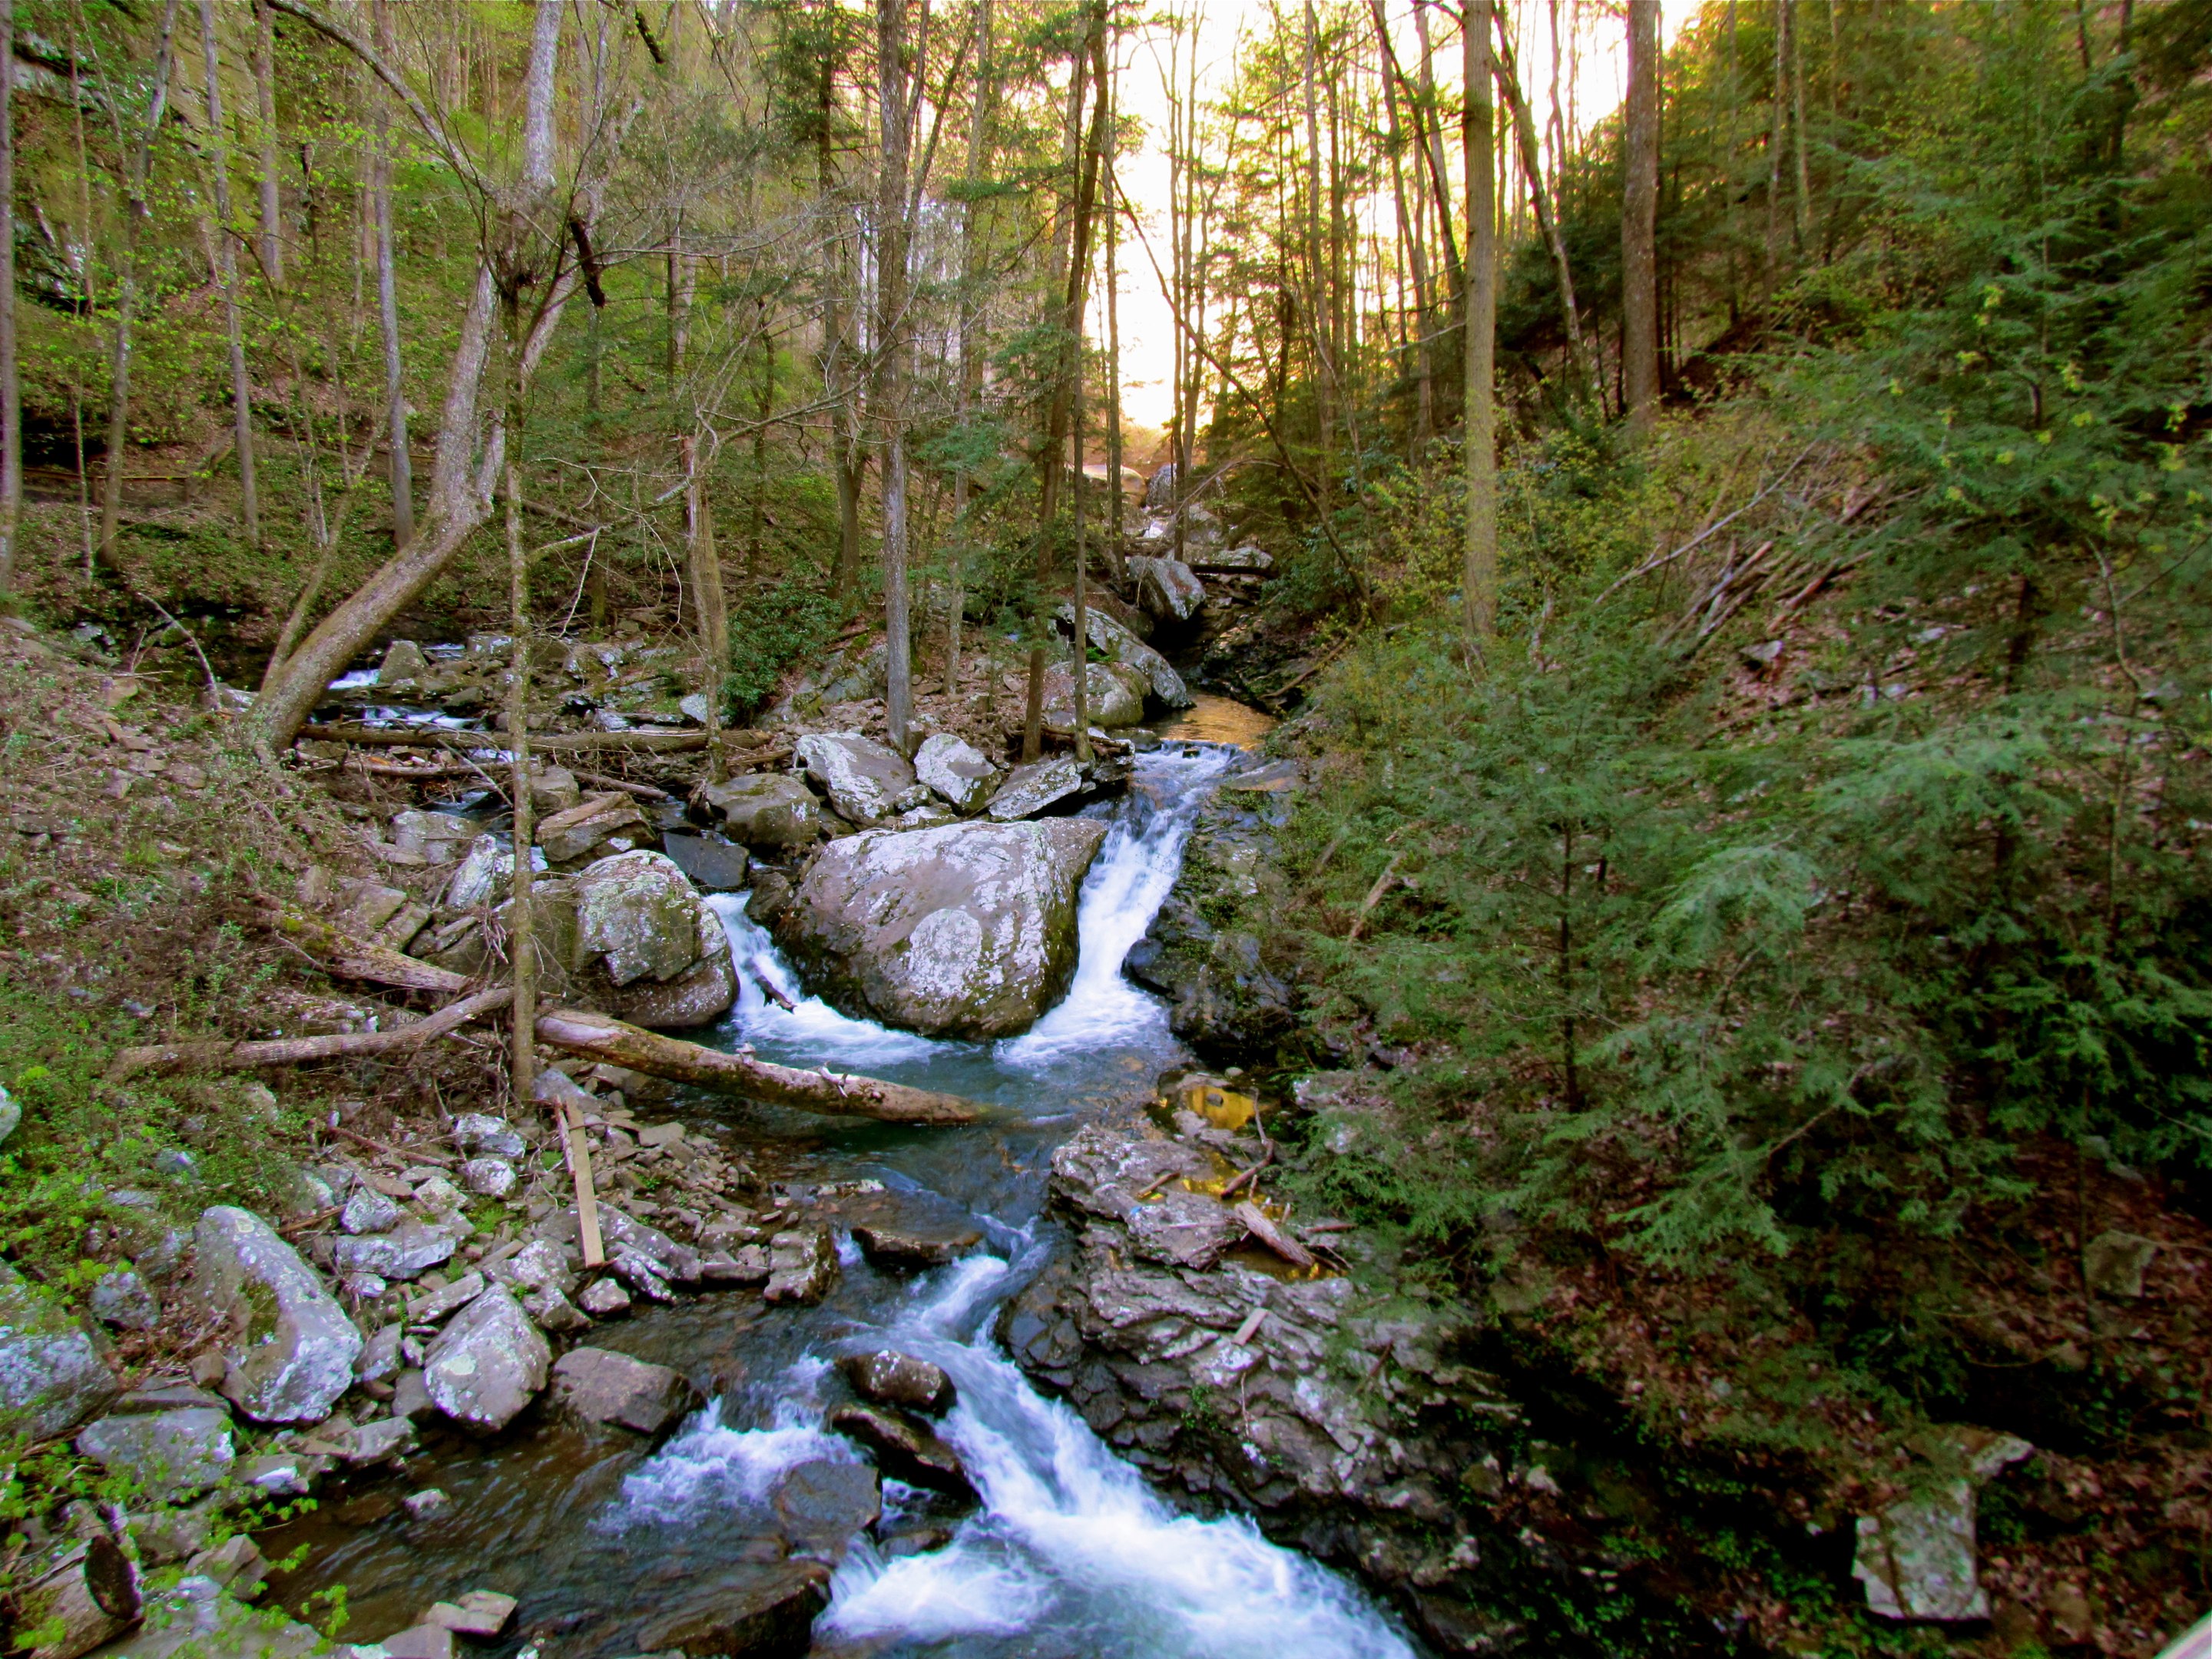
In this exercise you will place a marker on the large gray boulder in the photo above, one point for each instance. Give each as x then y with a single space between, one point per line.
762 809
488 1363
1116 696
957 770
52 1376
864 778
1125 648
964 930
171 1454
288 1347
1168 588
646 947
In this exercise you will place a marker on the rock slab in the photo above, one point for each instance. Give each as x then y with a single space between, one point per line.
52 1376
602 1386
762 1610
863 778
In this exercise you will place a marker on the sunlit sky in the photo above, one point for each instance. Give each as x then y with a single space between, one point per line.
1147 324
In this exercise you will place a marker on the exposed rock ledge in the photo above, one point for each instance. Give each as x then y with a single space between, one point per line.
1348 1427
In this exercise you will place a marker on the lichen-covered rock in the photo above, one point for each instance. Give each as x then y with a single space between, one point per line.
649 948
171 1454
288 1347
124 1299
1029 790
488 1363
762 809
863 778
482 1132
964 930
596 828
1116 696
488 1177
52 1376
956 770
1168 588
1125 648
407 1249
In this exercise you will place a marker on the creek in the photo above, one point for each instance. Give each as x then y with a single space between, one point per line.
1069 1553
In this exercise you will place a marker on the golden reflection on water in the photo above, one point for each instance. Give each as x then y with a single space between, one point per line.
1217 720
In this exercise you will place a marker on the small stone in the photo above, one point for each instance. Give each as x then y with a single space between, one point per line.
905 1449
411 1395
379 1441
421 1642
479 1612
538 1262
479 1131
123 1300
426 1504
236 1564
379 1355
643 1273
603 1299
2114 1263
888 1378
407 1251
550 1306
660 1134
747 1266
11 1113
364 1287
823 1506
439 1196
369 1212
429 1309
802 1266
488 1177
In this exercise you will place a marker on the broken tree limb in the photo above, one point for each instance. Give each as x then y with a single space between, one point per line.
420 737
293 1051
356 959
611 1041
1273 1237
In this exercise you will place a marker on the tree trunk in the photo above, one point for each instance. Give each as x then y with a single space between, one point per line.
1067 256
521 932
1784 11
1548 222
223 251
706 563
971 359
1432 121
11 400
1478 139
264 87
891 230
1082 643
136 214
1639 220
1033 706
401 469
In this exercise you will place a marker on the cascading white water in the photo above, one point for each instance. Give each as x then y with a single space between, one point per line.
1069 1552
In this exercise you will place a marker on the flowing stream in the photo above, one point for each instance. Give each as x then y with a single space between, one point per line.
1068 1554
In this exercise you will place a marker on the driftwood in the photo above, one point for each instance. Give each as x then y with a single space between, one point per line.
642 790
356 959
375 1146
423 737
601 1038
1273 1237
293 1051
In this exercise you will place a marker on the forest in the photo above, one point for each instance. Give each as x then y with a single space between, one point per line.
1713 506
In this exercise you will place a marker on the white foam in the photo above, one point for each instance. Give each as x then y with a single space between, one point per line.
1129 880
812 1025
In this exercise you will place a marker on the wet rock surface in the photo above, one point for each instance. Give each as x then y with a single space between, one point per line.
1343 1425
753 1611
1225 1000
601 1386
905 1449
885 1377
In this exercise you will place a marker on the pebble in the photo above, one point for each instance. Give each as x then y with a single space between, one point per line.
604 1298
426 1503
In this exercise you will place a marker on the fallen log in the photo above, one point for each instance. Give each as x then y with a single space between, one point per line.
356 959
599 780
295 1051
430 736
599 1037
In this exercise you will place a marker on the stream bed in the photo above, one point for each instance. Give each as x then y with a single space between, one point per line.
1069 1553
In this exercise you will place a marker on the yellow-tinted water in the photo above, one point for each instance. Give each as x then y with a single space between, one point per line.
1217 720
